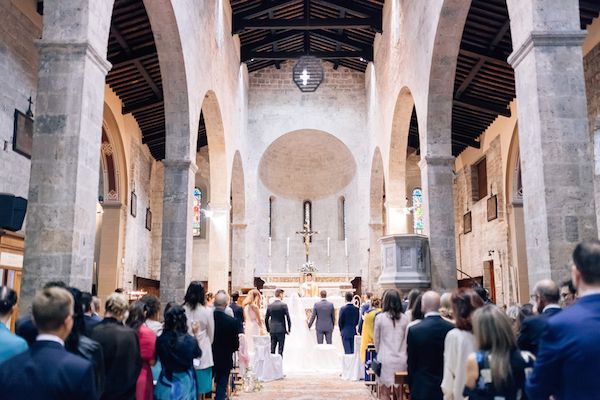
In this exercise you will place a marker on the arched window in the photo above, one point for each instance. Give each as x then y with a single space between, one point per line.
307 207
196 221
342 218
417 203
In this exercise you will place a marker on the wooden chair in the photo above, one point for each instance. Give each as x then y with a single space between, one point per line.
400 380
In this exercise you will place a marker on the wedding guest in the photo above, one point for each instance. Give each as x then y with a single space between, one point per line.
153 313
138 311
568 294
48 371
121 348
177 351
24 325
512 312
446 307
324 313
200 319
210 300
390 343
89 318
228 310
226 343
497 369
459 343
567 361
253 323
416 312
238 311
278 322
547 296
79 343
348 320
369 327
425 351
96 307
10 344
412 297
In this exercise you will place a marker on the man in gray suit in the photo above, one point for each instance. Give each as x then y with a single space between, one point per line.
324 313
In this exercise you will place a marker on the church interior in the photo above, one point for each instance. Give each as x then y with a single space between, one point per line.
242 143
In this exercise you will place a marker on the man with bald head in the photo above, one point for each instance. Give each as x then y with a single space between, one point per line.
425 347
546 296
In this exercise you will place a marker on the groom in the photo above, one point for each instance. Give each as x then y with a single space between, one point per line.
277 313
324 312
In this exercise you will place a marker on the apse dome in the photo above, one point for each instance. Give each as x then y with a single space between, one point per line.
307 164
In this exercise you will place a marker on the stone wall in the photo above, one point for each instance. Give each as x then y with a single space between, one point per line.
18 79
591 65
276 107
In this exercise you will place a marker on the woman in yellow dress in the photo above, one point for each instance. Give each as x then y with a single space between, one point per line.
368 327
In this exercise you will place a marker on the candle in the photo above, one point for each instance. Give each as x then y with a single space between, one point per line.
269 246
328 239
346 247
287 248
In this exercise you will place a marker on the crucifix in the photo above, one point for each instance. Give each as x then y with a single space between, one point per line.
306 233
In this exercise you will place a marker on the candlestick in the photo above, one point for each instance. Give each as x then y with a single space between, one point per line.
287 248
269 246
346 247
328 239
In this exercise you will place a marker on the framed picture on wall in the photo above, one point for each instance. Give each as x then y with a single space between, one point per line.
148 219
467 222
133 205
492 208
23 134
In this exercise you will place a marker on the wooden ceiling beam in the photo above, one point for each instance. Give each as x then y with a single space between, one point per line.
261 10
482 106
142 105
343 39
123 58
304 25
290 55
490 57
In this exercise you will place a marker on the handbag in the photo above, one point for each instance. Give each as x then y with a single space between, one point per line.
376 366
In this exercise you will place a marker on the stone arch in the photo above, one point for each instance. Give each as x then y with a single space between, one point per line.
396 194
516 221
219 202
377 218
239 276
116 149
437 123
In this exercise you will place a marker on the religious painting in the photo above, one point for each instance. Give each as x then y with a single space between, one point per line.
492 208
467 222
133 205
23 134
148 219
197 204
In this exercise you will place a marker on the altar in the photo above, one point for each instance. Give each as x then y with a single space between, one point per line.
335 284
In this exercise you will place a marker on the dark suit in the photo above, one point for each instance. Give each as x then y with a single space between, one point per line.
324 313
532 329
225 344
567 364
47 371
25 328
238 314
275 322
348 319
122 360
425 349
90 323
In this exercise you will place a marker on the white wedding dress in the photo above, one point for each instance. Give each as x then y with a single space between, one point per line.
301 353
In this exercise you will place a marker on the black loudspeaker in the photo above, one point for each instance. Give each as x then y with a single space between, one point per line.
12 212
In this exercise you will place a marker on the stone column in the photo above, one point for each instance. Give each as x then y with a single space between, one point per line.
177 240
218 247
555 148
109 264
375 262
436 177
63 188
239 276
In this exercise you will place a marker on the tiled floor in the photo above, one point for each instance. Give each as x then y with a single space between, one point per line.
310 387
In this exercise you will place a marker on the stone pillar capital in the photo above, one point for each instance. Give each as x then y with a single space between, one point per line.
545 39
180 165
62 48
436 161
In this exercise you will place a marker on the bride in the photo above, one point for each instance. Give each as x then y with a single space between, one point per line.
253 322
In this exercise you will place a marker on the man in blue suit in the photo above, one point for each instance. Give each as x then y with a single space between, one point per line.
567 365
546 295
349 316
47 371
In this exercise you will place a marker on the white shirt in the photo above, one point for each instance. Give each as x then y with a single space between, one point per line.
590 292
549 306
432 314
50 338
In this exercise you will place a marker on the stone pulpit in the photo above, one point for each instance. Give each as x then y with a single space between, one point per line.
406 262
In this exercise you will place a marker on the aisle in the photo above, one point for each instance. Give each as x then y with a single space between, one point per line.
310 387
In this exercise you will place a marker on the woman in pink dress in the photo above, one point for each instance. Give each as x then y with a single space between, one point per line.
137 316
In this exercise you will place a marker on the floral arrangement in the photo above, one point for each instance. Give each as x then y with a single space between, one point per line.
308 267
249 382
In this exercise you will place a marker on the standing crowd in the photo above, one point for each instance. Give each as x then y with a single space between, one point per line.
452 346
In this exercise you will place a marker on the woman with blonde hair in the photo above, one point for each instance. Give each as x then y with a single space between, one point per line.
253 323
497 369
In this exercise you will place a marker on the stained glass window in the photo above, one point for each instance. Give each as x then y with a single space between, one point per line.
417 202
196 226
